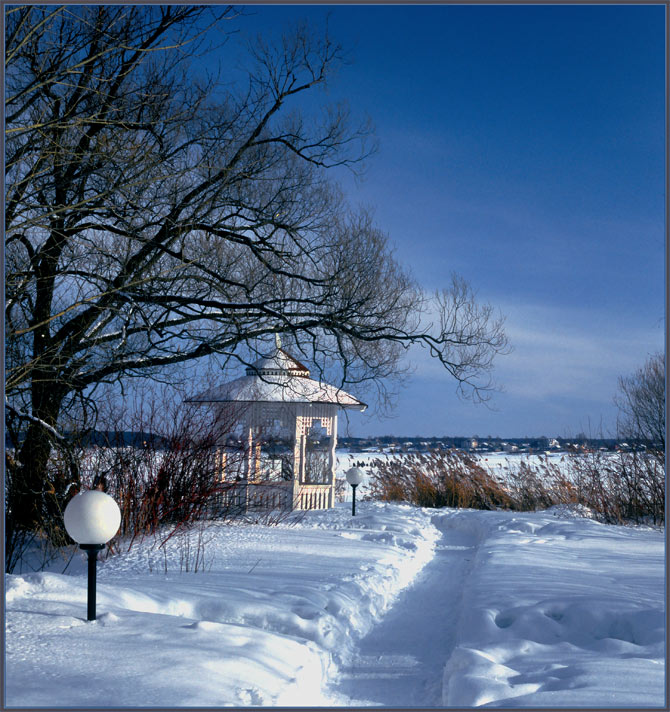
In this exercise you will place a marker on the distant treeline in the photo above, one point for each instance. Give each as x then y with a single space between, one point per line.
494 443
103 438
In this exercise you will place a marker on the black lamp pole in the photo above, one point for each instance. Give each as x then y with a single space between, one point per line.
353 500
92 551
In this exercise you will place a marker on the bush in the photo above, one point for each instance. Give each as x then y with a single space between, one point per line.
172 479
538 485
619 488
33 545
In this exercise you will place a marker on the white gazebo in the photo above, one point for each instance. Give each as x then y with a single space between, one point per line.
279 451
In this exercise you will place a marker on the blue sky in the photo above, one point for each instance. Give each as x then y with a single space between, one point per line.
523 148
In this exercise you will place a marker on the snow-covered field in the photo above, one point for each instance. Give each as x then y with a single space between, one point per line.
399 606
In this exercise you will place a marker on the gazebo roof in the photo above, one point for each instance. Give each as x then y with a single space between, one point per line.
278 378
277 364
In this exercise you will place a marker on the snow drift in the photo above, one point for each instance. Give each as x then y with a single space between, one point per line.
544 611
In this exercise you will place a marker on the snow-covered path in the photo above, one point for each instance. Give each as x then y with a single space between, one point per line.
400 663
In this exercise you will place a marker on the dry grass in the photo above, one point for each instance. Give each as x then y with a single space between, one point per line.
436 479
619 488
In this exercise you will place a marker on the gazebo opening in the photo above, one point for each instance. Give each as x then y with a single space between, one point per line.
317 452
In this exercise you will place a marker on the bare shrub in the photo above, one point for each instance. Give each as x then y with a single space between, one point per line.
620 487
27 550
341 489
35 547
538 485
641 403
267 517
171 480
192 542
35 542
182 546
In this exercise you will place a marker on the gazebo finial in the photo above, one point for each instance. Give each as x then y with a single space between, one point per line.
278 340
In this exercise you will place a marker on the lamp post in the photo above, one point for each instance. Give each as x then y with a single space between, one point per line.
354 477
92 518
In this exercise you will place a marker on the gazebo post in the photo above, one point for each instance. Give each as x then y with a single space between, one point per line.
249 450
302 449
251 460
332 457
297 461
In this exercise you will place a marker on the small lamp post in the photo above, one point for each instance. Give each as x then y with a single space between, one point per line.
354 477
92 518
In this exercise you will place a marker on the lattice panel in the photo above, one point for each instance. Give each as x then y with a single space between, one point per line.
258 414
305 424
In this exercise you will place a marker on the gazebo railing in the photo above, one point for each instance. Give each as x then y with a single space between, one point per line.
256 496
253 496
313 497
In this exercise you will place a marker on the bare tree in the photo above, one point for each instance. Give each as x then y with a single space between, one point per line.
153 217
641 402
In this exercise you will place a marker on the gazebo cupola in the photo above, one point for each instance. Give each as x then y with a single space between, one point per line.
283 453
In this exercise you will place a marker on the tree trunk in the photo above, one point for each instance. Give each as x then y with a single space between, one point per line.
37 492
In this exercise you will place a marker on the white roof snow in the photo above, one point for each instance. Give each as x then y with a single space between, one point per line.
278 378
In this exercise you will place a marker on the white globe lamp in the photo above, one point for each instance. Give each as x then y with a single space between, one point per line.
92 518
355 476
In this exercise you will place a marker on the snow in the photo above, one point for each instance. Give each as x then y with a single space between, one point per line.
561 612
278 378
278 389
398 606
